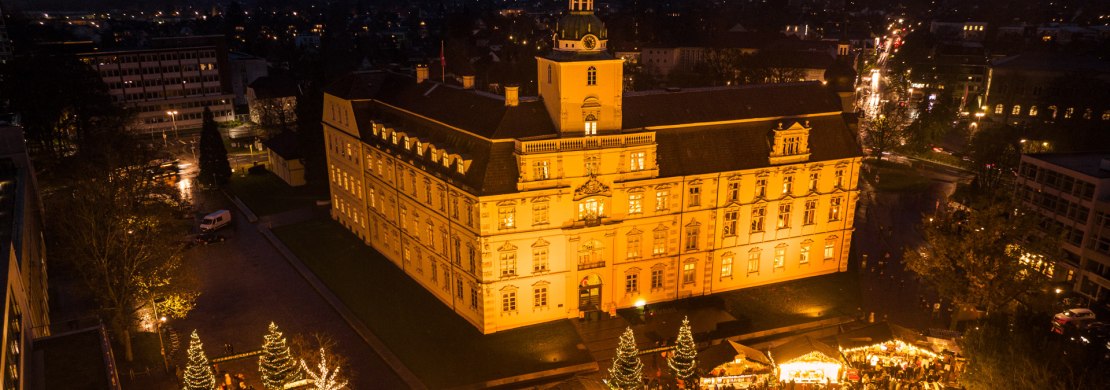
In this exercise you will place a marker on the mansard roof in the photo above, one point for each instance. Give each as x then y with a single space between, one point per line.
700 105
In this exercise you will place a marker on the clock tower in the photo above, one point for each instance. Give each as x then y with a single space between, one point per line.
580 83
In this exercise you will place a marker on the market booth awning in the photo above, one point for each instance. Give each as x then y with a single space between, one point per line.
732 352
805 360
878 333
735 365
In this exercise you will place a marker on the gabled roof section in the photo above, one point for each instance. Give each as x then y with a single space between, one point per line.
800 347
877 333
700 105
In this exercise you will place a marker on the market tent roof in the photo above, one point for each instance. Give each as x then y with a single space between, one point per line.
727 351
880 332
801 347
580 383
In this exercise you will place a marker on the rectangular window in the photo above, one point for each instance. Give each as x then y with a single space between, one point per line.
726 267
803 257
508 264
810 212
692 238
659 243
656 278
695 196
780 257
539 260
435 271
633 246
473 297
761 188
506 217
541 170
631 283
758 213
839 178
635 203
636 161
469 209
471 255
834 209
733 191
508 301
787 184
539 297
813 178
459 290
784 215
688 272
753 261
661 199
539 213
730 222
829 249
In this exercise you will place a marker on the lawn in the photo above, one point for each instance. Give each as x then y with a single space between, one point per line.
267 194
898 178
432 341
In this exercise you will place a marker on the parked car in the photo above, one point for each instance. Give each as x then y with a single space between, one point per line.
1070 315
215 220
208 238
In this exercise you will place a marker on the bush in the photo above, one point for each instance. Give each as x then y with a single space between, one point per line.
257 169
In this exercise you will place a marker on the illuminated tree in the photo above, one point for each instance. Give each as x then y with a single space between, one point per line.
324 378
683 362
627 370
276 362
198 374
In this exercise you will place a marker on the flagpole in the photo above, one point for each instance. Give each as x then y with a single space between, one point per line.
442 64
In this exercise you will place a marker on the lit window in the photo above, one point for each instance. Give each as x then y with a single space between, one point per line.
541 170
539 213
631 283
791 145
780 257
784 215
506 217
508 301
539 259
813 177
688 272
753 261
829 245
757 218
787 184
591 76
1016 110
635 203
726 267
998 109
591 209
810 212
692 237
656 278
1033 111
803 257
760 188
659 243
591 125
661 200
1069 112
834 209
636 161
633 246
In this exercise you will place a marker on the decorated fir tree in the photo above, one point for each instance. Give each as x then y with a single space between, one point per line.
627 370
324 377
683 361
198 374
276 362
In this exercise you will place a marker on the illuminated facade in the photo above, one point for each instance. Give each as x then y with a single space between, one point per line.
521 210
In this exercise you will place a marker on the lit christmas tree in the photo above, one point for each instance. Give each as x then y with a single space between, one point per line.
324 378
627 371
198 374
682 362
276 362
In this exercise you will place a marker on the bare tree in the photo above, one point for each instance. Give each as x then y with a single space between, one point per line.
883 130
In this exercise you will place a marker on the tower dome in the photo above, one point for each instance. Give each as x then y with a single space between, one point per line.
580 30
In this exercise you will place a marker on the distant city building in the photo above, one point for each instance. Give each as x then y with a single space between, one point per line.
27 308
273 101
5 42
245 68
521 210
956 71
182 75
963 31
1072 191
284 154
1048 87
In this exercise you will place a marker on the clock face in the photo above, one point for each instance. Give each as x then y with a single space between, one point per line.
589 42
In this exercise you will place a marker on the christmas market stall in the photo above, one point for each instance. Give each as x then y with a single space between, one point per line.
884 352
730 365
805 360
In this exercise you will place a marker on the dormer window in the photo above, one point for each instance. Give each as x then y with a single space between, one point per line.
591 76
790 145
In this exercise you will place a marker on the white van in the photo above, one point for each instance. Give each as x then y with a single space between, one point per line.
216 220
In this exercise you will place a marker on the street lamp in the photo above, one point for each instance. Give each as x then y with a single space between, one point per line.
173 118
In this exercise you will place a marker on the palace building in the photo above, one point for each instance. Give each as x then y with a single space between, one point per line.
520 210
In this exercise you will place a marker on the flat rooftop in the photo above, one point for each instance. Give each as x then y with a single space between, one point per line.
1086 163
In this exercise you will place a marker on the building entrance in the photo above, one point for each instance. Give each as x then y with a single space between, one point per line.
589 295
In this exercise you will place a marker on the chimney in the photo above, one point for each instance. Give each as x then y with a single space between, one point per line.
512 97
468 82
421 73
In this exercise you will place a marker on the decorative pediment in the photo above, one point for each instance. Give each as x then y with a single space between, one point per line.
790 145
592 187
634 231
540 242
507 247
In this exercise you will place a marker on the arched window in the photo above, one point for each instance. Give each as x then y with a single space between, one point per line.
591 76
591 124
1033 111
998 109
1016 110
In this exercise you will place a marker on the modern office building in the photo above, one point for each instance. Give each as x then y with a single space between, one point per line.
170 83
519 210
1072 190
